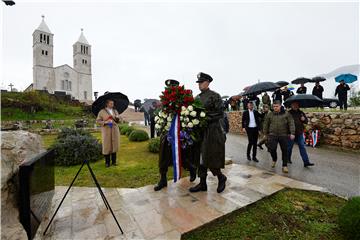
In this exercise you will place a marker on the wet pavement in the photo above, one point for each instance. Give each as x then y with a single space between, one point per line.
145 214
337 171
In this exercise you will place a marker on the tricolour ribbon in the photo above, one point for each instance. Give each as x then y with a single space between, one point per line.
176 146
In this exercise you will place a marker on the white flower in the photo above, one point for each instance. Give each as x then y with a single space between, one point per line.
156 118
183 125
167 128
186 119
161 120
169 119
193 114
195 122
190 108
190 125
183 108
181 118
168 124
202 114
164 115
157 126
187 113
182 113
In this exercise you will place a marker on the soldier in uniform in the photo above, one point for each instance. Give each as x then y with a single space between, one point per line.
165 154
214 136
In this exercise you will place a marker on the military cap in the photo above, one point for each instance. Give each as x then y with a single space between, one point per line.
172 83
202 77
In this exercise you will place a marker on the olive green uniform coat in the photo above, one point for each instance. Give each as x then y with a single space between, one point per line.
214 136
110 135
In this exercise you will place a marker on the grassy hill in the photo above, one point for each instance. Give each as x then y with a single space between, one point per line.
39 106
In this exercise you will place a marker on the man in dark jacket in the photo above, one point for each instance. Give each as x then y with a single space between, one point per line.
263 114
299 119
286 93
152 111
301 89
341 91
213 143
277 96
278 126
251 124
318 90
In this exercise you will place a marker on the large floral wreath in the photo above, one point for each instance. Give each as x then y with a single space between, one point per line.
176 100
181 119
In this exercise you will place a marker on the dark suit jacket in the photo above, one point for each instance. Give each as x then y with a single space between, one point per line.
246 118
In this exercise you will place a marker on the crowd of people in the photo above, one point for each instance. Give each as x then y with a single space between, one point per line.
271 126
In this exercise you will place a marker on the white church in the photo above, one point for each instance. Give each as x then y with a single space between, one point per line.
75 81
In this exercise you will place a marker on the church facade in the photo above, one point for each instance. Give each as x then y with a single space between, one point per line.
76 80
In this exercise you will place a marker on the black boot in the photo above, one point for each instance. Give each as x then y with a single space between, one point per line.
107 160
192 174
221 185
162 183
113 159
200 187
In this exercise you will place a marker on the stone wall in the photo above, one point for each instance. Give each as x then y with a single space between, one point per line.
16 147
340 129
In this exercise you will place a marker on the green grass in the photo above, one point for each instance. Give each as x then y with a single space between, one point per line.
289 214
12 114
137 167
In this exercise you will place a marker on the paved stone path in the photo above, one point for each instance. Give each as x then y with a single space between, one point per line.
335 170
145 214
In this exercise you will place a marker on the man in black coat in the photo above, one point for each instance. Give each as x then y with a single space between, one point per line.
301 89
318 90
341 91
251 124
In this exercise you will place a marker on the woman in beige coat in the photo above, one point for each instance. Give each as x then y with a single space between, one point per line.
108 118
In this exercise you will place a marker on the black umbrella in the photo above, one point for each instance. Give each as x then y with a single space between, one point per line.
304 100
282 83
261 87
300 80
317 79
121 102
148 104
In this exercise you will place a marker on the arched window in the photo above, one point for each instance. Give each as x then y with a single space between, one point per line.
40 37
81 48
69 85
47 39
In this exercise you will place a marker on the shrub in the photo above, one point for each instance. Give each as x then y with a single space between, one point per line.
73 146
154 145
349 219
121 126
126 130
138 136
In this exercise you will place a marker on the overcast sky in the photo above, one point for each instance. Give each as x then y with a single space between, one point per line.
136 46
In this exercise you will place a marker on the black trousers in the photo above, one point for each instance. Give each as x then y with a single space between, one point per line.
152 127
272 145
202 171
253 135
343 103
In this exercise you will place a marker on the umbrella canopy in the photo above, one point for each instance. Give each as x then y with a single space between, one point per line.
261 87
300 80
282 83
223 97
121 102
318 79
347 78
304 100
148 104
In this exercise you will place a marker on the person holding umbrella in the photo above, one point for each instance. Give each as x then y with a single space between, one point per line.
318 90
302 89
108 118
299 119
341 91
266 99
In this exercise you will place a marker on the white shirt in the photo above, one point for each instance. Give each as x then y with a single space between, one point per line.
252 122
110 111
